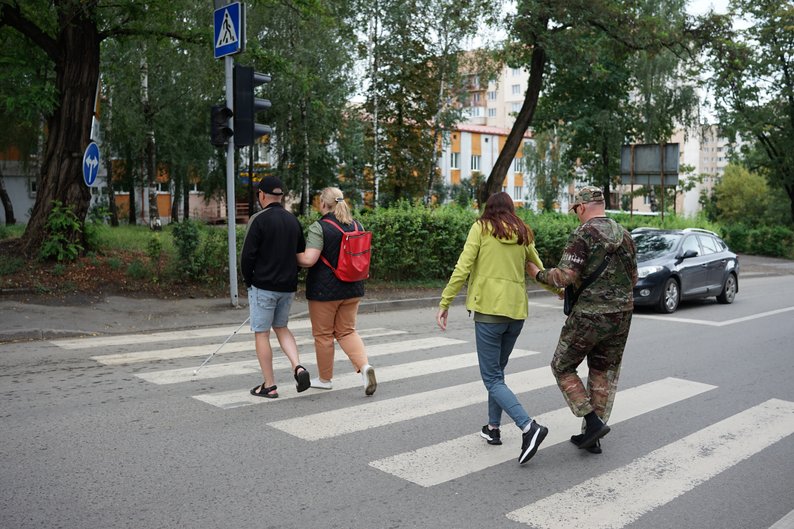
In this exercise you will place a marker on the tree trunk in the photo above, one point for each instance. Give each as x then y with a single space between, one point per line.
516 136
605 165
149 153
6 200
114 211
790 192
130 177
69 126
306 188
177 192
186 199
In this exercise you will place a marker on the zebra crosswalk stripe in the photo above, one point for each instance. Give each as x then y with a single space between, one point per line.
382 412
621 496
237 398
448 460
167 336
203 350
186 374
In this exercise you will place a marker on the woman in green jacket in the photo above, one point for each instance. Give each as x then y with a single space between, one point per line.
494 260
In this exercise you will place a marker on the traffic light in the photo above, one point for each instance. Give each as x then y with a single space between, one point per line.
246 105
220 132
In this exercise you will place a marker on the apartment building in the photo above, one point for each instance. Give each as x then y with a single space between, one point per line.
470 150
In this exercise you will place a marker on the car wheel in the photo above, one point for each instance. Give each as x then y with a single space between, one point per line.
728 293
670 297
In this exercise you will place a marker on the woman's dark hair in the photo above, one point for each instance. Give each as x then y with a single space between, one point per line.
500 214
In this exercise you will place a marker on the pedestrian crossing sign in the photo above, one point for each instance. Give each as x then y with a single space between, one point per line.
229 30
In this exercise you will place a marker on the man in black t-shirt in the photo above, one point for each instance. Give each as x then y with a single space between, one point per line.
269 266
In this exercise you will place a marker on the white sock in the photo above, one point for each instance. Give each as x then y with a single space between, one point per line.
527 427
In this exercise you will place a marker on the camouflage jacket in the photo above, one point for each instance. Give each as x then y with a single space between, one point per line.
584 252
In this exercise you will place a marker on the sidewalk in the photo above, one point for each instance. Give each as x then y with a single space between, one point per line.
43 319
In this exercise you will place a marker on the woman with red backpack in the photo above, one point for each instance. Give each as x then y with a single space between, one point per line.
333 302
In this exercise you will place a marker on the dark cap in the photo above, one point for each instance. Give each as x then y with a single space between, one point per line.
271 185
587 194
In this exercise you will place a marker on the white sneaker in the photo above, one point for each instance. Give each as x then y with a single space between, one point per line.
368 374
319 384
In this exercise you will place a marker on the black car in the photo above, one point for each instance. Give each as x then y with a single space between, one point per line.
675 265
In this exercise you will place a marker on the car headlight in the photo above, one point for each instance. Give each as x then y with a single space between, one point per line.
645 271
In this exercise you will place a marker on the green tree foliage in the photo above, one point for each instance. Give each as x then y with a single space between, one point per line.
741 195
753 85
69 34
544 160
413 76
308 49
545 35
181 89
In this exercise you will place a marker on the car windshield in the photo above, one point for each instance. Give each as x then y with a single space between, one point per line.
651 245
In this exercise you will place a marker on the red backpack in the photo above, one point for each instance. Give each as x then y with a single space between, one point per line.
354 253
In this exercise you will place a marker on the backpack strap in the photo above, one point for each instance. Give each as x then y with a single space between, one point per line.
356 225
334 224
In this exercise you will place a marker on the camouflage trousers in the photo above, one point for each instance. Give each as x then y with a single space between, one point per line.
600 338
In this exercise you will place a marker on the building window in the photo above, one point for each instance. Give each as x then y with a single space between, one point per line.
518 165
492 95
491 112
515 107
475 97
454 160
475 162
516 71
518 193
516 89
33 187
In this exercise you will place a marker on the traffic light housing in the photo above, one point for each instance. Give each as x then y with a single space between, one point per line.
246 105
220 132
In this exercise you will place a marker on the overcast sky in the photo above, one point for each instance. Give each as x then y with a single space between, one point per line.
699 7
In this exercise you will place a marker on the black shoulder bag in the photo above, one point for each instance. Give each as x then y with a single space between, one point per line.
572 296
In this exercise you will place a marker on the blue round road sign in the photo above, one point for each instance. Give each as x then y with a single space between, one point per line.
90 164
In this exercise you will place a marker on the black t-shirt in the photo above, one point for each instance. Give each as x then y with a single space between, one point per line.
268 258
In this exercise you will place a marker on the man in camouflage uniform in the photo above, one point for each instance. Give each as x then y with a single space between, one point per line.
598 325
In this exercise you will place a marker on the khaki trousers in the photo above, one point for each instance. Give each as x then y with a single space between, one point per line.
336 320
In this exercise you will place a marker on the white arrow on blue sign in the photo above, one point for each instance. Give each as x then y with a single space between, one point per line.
90 164
228 30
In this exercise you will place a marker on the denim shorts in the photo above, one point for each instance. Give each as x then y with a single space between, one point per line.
268 309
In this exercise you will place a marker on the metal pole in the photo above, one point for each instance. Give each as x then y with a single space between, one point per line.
661 176
631 173
230 200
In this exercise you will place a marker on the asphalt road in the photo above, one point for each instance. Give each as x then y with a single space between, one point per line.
115 431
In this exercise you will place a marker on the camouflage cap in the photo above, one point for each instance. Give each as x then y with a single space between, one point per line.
587 194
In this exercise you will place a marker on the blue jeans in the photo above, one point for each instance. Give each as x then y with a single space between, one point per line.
495 342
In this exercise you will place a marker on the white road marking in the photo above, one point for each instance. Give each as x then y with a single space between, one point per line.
787 522
715 323
382 412
238 398
459 457
169 336
692 321
620 497
207 349
175 376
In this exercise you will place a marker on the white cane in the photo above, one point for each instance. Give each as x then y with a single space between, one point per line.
219 347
